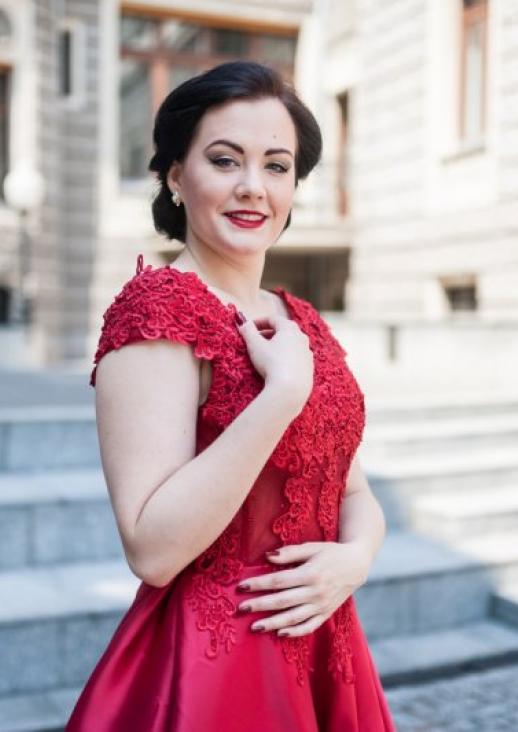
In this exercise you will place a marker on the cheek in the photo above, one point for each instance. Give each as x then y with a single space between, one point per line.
210 191
285 196
200 197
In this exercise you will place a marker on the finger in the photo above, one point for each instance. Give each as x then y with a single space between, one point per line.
249 329
296 552
308 626
281 620
276 321
278 601
277 581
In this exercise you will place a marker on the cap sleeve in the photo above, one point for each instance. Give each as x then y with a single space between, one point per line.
153 304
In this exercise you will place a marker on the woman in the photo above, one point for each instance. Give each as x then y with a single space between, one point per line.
228 423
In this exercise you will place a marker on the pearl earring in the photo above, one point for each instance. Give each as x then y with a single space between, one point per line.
176 198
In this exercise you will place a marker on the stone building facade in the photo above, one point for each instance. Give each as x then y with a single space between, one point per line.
432 180
435 205
407 226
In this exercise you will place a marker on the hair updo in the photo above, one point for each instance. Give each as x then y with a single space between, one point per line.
181 111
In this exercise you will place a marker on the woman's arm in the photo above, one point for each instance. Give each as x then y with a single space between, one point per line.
362 521
171 504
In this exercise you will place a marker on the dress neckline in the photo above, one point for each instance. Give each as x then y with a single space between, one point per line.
231 307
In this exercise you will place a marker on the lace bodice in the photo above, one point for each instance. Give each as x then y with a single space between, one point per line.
296 497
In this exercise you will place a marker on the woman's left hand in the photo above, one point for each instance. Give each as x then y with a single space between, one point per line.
309 593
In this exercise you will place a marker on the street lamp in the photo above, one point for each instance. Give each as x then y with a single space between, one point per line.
24 189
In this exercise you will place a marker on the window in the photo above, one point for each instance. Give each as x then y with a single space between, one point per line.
5 296
158 54
230 42
65 62
342 161
5 30
461 293
135 117
4 127
473 69
278 49
71 49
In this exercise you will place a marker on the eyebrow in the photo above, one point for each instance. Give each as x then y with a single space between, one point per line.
239 149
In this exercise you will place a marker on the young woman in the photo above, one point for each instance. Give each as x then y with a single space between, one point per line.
228 422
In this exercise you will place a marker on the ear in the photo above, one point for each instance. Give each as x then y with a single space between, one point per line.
174 177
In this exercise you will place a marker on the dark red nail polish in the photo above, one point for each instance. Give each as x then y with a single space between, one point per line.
273 552
240 318
258 628
243 588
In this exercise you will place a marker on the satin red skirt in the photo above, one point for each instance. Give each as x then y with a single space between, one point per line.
154 676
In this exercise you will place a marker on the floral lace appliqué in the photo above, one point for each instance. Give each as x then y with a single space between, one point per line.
318 444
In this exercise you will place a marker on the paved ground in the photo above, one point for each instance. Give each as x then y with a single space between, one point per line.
485 701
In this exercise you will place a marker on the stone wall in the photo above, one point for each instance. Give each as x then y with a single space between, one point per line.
68 145
424 207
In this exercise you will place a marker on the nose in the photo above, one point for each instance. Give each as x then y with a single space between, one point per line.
251 183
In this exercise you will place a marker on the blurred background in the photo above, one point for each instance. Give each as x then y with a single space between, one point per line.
405 238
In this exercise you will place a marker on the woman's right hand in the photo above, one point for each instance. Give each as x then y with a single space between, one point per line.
280 351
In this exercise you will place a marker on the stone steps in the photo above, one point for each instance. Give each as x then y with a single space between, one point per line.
449 516
422 409
64 516
55 621
397 483
54 436
450 652
400 660
504 603
425 473
39 712
48 438
56 516
425 584
440 436
448 596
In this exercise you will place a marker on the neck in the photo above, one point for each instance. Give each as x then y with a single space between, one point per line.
236 283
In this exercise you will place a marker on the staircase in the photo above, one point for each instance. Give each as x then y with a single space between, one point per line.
442 594
64 581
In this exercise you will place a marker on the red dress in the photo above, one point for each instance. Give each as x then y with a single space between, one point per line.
182 659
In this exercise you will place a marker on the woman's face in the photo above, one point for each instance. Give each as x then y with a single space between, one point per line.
242 158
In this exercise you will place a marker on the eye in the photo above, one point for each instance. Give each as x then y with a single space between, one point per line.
217 161
222 162
280 168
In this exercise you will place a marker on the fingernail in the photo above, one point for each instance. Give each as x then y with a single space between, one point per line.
240 318
258 627
273 552
243 588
